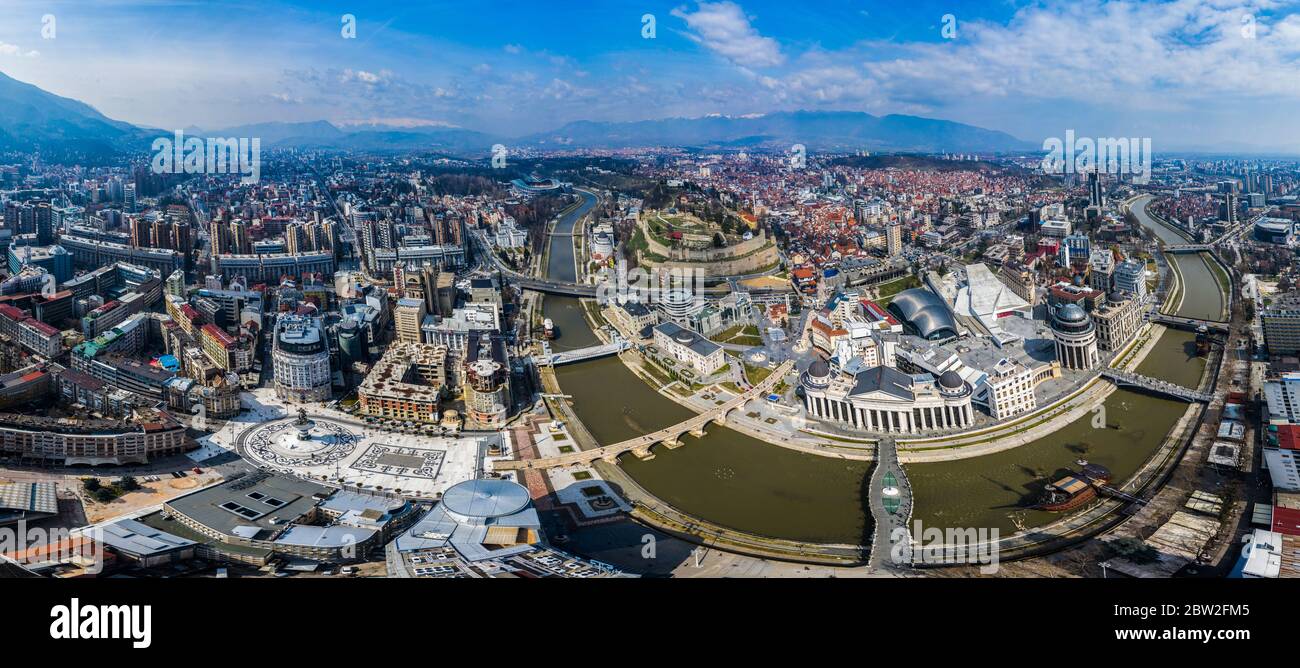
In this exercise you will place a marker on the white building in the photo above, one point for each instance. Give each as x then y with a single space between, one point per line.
689 348
1055 228
680 305
1076 338
1283 397
1011 388
1283 468
1131 278
301 359
885 399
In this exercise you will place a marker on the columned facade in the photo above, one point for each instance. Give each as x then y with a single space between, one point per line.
1076 338
897 404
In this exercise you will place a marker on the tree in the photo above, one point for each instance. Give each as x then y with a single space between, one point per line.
128 484
1134 550
90 484
105 494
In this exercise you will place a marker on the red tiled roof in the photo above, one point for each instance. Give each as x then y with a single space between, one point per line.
42 327
223 339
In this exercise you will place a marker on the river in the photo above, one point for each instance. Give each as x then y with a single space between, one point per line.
740 482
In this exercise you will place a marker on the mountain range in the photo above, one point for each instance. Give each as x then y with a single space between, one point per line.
32 118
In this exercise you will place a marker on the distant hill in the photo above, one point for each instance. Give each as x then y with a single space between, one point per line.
817 130
31 118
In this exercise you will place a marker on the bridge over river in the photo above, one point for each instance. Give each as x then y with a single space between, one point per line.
581 354
1164 387
640 446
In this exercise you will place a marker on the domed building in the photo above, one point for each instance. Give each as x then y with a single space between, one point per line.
1076 338
885 399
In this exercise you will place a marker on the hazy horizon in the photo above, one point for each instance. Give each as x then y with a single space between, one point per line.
1207 76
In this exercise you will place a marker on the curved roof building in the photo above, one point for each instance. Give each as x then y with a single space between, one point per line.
1273 231
481 518
484 498
925 313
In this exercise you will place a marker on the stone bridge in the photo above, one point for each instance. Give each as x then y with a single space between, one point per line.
670 437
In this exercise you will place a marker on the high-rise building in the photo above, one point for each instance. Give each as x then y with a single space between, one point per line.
240 242
1282 396
301 359
1096 194
893 238
1101 267
407 318
220 237
1131 278
1228 209
43 224
1281 324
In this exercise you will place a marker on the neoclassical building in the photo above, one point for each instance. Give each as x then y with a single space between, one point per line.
884 399
1076 338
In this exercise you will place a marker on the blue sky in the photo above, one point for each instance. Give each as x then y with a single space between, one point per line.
1188 73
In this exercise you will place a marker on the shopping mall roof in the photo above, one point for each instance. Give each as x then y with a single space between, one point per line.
925 312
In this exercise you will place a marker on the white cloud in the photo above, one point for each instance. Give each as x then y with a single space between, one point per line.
1183 51
15 50
723 27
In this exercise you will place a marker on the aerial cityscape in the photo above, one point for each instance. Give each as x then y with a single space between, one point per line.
729 289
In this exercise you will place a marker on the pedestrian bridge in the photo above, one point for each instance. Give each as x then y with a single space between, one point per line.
1125 378
1190 324
589 353
1187 248
640 446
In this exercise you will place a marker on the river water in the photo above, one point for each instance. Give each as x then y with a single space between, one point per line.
740 482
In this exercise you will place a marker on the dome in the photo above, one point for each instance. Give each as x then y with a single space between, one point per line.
951 380
486 497
1071 313
819 369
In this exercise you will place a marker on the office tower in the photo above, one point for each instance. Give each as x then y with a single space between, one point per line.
893 238
1096 194
43 223
407 318
240 242
219 237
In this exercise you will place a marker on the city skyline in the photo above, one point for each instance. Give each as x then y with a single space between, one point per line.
1211 76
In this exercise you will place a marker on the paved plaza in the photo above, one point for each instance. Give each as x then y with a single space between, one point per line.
337 448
